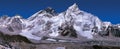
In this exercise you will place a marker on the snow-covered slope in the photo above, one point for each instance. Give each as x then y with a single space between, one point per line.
11 26
48 23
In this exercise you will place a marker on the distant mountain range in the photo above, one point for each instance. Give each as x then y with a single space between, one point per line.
47 24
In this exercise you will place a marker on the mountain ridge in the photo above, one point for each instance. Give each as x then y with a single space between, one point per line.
47 23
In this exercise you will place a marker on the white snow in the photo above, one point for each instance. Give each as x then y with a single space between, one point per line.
3 26
17 16
78 18
29 35
106 24
72 14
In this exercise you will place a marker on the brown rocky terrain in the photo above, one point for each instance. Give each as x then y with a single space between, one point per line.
19 42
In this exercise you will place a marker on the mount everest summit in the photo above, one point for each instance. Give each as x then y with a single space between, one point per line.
73 23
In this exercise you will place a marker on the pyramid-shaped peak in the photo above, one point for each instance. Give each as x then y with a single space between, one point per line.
74 6
49 10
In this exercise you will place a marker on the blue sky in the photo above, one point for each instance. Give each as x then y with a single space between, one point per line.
106 10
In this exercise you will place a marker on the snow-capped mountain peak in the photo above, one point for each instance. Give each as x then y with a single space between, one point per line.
74 7
50 10
46 23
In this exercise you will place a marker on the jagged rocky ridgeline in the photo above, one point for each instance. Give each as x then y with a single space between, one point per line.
49 25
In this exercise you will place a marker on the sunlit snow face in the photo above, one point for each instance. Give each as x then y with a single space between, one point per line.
81 23
83 29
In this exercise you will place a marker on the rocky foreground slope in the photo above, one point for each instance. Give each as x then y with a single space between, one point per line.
69 28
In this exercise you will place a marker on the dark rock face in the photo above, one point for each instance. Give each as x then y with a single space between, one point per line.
116 32
13 38
50 10
68 31
6 40
110 31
